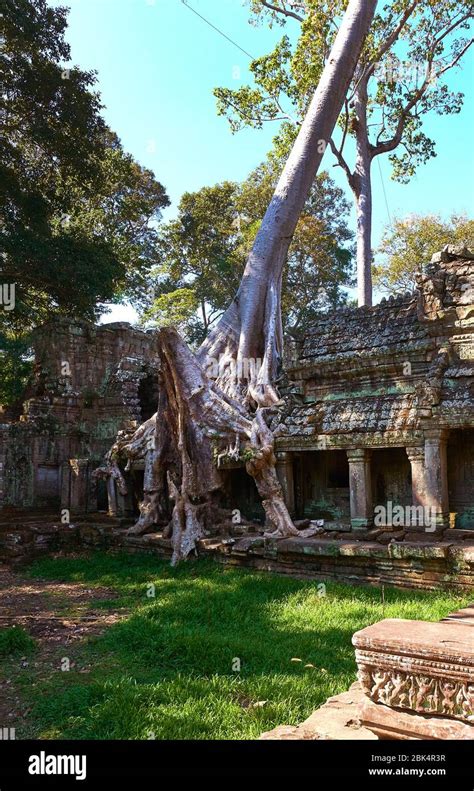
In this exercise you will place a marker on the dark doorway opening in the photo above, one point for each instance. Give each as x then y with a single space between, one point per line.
148 396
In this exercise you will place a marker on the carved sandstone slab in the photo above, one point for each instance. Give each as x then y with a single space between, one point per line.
424 667
387 723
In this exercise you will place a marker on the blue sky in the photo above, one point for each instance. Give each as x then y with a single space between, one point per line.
157 64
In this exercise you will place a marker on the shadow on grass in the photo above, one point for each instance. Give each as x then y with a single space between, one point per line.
209 652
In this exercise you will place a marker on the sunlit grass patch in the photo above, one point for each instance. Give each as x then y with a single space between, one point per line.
207 652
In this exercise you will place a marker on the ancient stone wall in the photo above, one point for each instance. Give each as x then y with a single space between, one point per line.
89 383
393 386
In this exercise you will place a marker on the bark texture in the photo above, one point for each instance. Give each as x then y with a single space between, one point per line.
200 419
362 188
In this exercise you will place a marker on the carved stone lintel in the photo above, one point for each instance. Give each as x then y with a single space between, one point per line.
424 667
418 692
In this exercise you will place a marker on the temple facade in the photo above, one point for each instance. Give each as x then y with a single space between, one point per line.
378 422
89 383
380 407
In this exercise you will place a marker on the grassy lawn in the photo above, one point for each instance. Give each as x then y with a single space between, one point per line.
167 670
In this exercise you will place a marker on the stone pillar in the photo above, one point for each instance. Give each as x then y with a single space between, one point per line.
65 485
436 477
360 485
79 484
112 496
416 456
284 470
125 503
429 482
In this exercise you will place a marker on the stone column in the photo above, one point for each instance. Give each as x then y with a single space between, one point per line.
284 470
112 496
79 484
360 485
416 456
65 485
436 477
429 482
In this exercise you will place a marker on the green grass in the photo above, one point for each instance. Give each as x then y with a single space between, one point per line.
14 640
168 669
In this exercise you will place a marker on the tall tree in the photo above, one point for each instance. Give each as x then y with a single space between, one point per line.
384 108
76 209
196 418
320 255
411 241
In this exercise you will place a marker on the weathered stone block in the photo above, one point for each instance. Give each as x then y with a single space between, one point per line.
337 719
420 666
388 723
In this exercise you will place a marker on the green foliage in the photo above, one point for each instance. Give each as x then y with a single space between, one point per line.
411 241
78 214
176 308
14 640
166 668
431 42
201 261
203 251
16 367
123 211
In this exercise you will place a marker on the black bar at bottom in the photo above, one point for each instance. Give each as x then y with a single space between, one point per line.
416 764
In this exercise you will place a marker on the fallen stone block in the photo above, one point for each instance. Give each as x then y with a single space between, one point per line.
388 723
424 667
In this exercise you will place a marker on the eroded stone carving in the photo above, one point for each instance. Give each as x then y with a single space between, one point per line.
420 693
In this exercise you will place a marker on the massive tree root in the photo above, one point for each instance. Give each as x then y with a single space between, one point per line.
214 404
196 424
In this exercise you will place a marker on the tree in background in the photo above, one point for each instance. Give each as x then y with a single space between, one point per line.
411 241
386 103
78 214
203 252
201 260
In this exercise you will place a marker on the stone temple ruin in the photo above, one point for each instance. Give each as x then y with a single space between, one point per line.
376 439
89 383
376 436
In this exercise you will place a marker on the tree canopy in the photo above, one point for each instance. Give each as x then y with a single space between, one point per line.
203 252
411 241
78 213
399 79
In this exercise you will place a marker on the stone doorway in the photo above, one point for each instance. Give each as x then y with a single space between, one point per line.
391 477
240 492
322 485
461 478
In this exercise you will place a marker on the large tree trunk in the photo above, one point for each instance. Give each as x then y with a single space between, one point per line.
362 187
200 420
251 326
364 237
